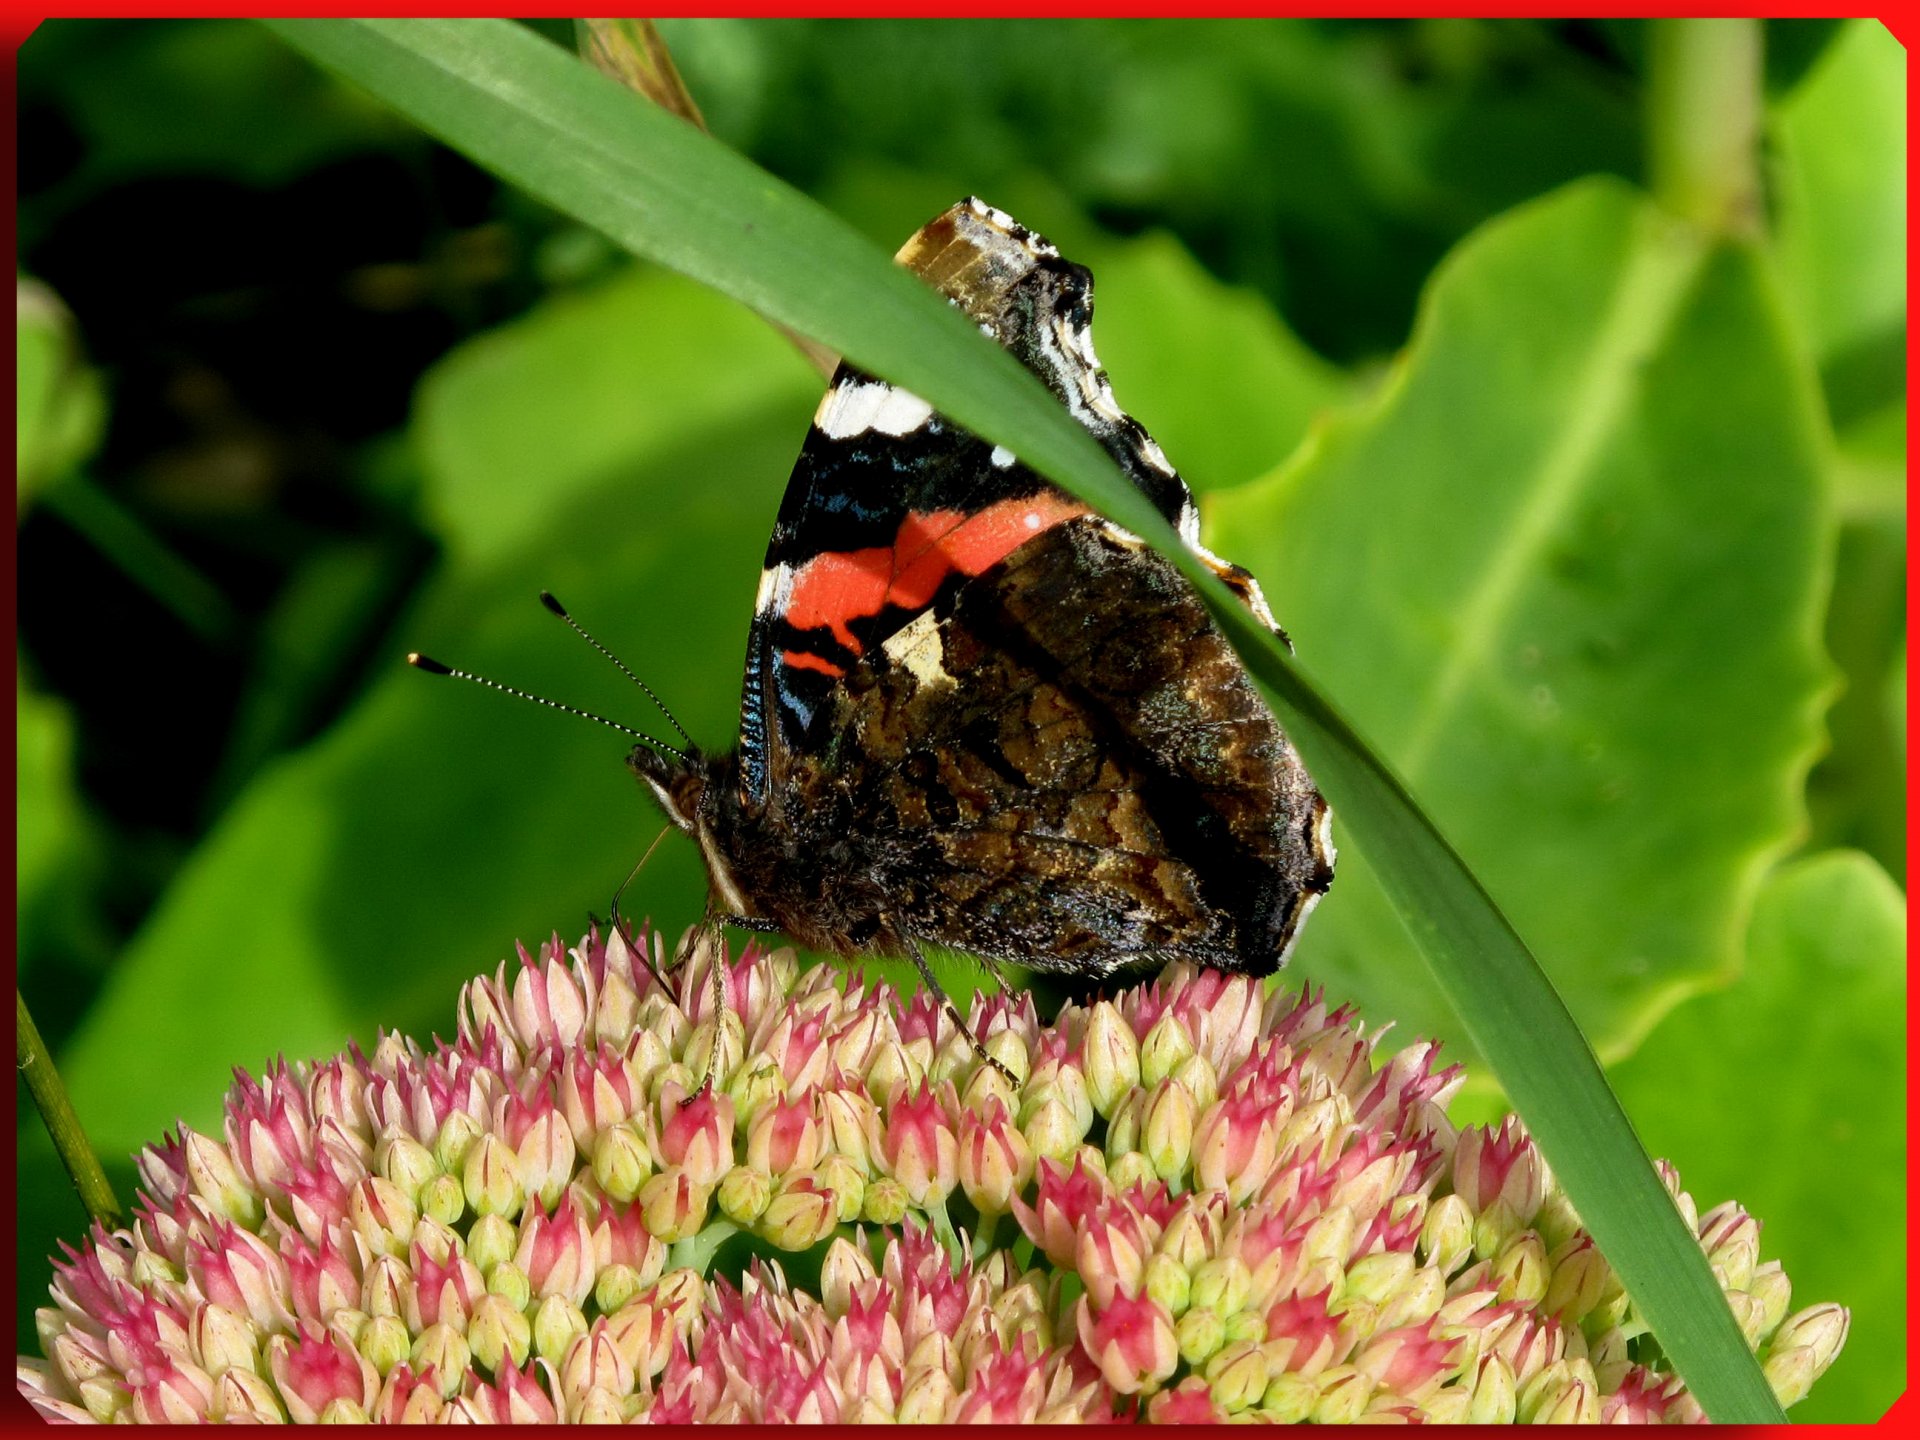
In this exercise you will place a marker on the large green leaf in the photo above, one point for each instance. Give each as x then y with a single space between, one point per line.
1567 573
1842 141
358 882
1801 1066
576 141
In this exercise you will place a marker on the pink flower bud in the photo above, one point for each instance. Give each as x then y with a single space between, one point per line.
784 1136
1235 1144
556 1252
313 1367
696 1134
1500 1164
443 1292
994 1161
320 1281
405 1399
1131 1340
919 1146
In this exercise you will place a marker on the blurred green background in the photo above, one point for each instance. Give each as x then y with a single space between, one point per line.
1591 517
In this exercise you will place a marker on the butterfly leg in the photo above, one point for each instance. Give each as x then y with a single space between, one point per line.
646 958
926 974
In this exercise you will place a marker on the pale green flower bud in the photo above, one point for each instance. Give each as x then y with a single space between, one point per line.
1197 1074
1131 1168
1248 1326
1222 1284
242 1395
1237 1377
1774 1292
1166 1132
1166 1045
1198 1334
1520 1270
1557 1220
846 1181
1496 1397
384 1341
218 1181
1446 1236
491 1239
757 1084
621 1161
435 1239
1494 1228
614 1286
1009 1048
1289 1398
1821 1328
445 1349
1563 1393
926 1398
1418 1297
1610 1358
498 1329
556 1325
223 1339
853 1127
1375 1277
1111 1057
457 1134
405 1162
743 1194
673 1206
444 1199
893 1068
343 1411
1343 1397
1167 1283
1329 1238
382 1215
885 1202
153 1271
801 1215
1579 1280
490 1175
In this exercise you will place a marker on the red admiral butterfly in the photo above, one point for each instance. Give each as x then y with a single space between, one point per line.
979 715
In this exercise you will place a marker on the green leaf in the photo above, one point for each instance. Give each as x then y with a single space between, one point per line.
1842 223
1801 1065
574 139
1567 574
358 882
59 406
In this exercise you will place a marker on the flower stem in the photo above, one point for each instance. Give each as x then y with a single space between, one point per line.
696 1252
1703 121
56 1113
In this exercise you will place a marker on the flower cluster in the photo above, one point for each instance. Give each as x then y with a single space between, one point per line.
1193 1201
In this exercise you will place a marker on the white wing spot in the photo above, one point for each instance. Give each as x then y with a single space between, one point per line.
1001 457
854 409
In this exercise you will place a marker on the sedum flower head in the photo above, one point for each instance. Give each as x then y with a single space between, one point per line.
1221 1205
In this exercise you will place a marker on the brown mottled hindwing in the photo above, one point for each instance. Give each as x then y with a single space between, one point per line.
1103 789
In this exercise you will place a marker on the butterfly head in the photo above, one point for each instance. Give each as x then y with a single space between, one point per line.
679 781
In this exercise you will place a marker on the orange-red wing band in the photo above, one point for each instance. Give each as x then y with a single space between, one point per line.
840 586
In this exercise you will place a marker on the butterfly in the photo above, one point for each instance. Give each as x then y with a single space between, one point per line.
980 716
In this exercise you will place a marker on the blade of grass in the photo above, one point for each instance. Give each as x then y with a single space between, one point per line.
528 111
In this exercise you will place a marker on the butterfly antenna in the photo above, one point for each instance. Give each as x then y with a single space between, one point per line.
546 599
434 667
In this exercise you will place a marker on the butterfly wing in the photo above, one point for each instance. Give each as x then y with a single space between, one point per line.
1020 726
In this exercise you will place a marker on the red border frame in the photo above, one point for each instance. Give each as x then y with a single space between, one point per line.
1904 25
